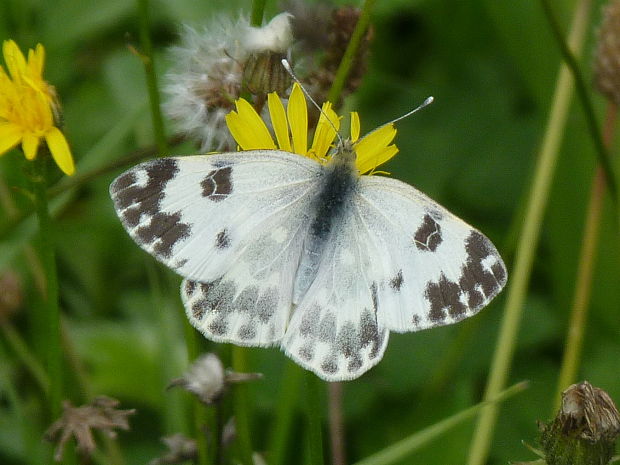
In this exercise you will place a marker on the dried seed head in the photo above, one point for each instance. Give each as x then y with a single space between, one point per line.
340 29
589 412
180 449
101 414
584 430
607 58
207 379
212 67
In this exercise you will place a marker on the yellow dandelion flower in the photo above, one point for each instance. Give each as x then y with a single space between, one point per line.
291 131
28 106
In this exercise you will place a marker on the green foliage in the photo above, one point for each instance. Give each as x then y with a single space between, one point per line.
491 67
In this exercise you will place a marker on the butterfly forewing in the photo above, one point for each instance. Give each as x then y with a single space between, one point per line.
252 302
196 214
438 269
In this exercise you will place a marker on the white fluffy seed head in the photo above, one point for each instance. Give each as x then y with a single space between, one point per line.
276 36
204 80
207 74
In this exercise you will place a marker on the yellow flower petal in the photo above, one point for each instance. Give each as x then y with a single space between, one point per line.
374 149
278 121
297 112
355 126
377 159
10 135
14 59
36 60
59 148
248 129
324 133
30 144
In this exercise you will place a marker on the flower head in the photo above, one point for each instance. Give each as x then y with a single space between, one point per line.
291 131
213 66
28 107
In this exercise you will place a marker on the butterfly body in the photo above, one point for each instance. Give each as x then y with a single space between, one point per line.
338 183
278 249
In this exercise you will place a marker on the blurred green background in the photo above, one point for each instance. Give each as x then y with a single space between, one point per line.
491 67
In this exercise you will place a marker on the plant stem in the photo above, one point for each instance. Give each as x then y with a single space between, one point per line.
242 406
602 150
583 286
336 423
349 55
528 241
285 410
258 9
313 416
50 312
397 452
151 77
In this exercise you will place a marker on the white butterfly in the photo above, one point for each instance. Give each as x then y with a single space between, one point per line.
279 249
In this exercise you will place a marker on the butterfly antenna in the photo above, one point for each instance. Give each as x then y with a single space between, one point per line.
425 103
289 70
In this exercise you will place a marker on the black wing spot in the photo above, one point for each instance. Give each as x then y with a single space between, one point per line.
428 236
222 240
217 184
397 281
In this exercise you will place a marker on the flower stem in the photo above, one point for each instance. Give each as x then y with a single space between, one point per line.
399 451
285 411
241 406
349 55
528 241
336 423
50 311
583 286
313 415
151 77
258 9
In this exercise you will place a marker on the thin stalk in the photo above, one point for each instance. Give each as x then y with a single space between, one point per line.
397 452
583 286
151 76
285 411
602 150
19 347
50 312
336 423
528 242
313 418
258 9
349 55
242 407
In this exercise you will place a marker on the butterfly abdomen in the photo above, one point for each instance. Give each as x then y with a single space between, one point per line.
338 185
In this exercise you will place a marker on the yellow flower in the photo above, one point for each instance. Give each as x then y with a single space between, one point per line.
27 107
291 131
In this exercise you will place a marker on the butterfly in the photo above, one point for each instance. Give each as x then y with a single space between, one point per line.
279 249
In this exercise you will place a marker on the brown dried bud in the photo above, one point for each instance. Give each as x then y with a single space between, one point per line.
607 58
264 73
207 379
585 429
100 414
341 26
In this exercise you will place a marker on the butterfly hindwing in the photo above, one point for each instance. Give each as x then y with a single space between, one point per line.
197 213
437 269
338 328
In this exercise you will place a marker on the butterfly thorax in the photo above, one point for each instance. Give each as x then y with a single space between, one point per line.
339 181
